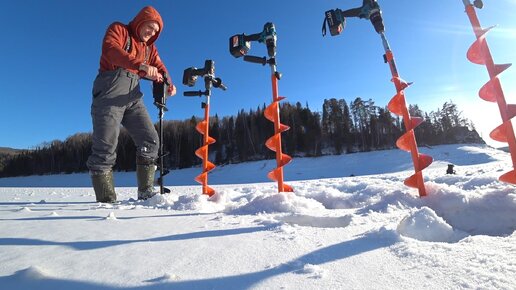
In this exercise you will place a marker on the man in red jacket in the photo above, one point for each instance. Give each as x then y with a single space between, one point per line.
128 53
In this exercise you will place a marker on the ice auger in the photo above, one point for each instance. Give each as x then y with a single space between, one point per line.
239 45
336 20
189 78
159 92
479 53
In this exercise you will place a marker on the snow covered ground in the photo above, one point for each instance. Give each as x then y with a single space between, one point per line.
350 224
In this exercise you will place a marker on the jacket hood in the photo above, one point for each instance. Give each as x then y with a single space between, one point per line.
148 13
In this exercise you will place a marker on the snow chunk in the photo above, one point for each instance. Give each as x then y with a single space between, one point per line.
104 205
24 209
200 202
171 277
482 212
316 271
32 273
111 216
425 225
278 202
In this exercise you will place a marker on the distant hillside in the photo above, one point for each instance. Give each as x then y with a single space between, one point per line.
341 127
330 166
6 153
9 151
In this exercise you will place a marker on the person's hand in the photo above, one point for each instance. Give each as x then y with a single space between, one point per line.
159 79
171 90
151 72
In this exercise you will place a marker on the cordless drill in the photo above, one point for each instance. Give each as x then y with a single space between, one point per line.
336 18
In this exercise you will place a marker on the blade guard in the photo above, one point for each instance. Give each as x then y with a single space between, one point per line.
479 53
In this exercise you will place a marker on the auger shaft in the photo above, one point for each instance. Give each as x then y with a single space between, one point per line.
408 141
239 45
203 128
277 132
159 90
210 81
480 53
161 152
370 10
206 143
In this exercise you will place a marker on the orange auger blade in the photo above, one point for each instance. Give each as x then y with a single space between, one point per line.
416 180
407 142
424 161
488 92
274 142
413 181
203 179
416 121
508 177
476 52
479 53
397 104
500 133
511 111
202 152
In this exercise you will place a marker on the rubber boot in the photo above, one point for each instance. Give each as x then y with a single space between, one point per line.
103 185
145 177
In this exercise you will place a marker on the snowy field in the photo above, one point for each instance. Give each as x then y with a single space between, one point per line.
350 224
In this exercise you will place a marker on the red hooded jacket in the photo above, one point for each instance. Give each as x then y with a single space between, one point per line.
113 46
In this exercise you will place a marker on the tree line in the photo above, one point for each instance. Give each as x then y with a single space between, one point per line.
340 128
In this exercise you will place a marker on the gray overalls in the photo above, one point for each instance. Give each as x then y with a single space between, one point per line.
117 100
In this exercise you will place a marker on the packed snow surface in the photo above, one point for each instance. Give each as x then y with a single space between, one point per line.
349 224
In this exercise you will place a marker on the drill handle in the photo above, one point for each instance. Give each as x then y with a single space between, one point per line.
253 37
193 93
255 59
355 12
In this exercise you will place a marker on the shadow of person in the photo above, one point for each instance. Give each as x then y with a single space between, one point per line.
26 279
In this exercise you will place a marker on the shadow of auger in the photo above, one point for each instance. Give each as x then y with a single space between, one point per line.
492 91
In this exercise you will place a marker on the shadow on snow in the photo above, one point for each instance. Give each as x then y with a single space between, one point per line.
362 244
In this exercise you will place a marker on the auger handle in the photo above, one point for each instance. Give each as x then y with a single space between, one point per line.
161 78
354 12
193 93
217 83
253 37
255 59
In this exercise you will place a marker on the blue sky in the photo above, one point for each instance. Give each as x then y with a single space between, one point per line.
51 52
